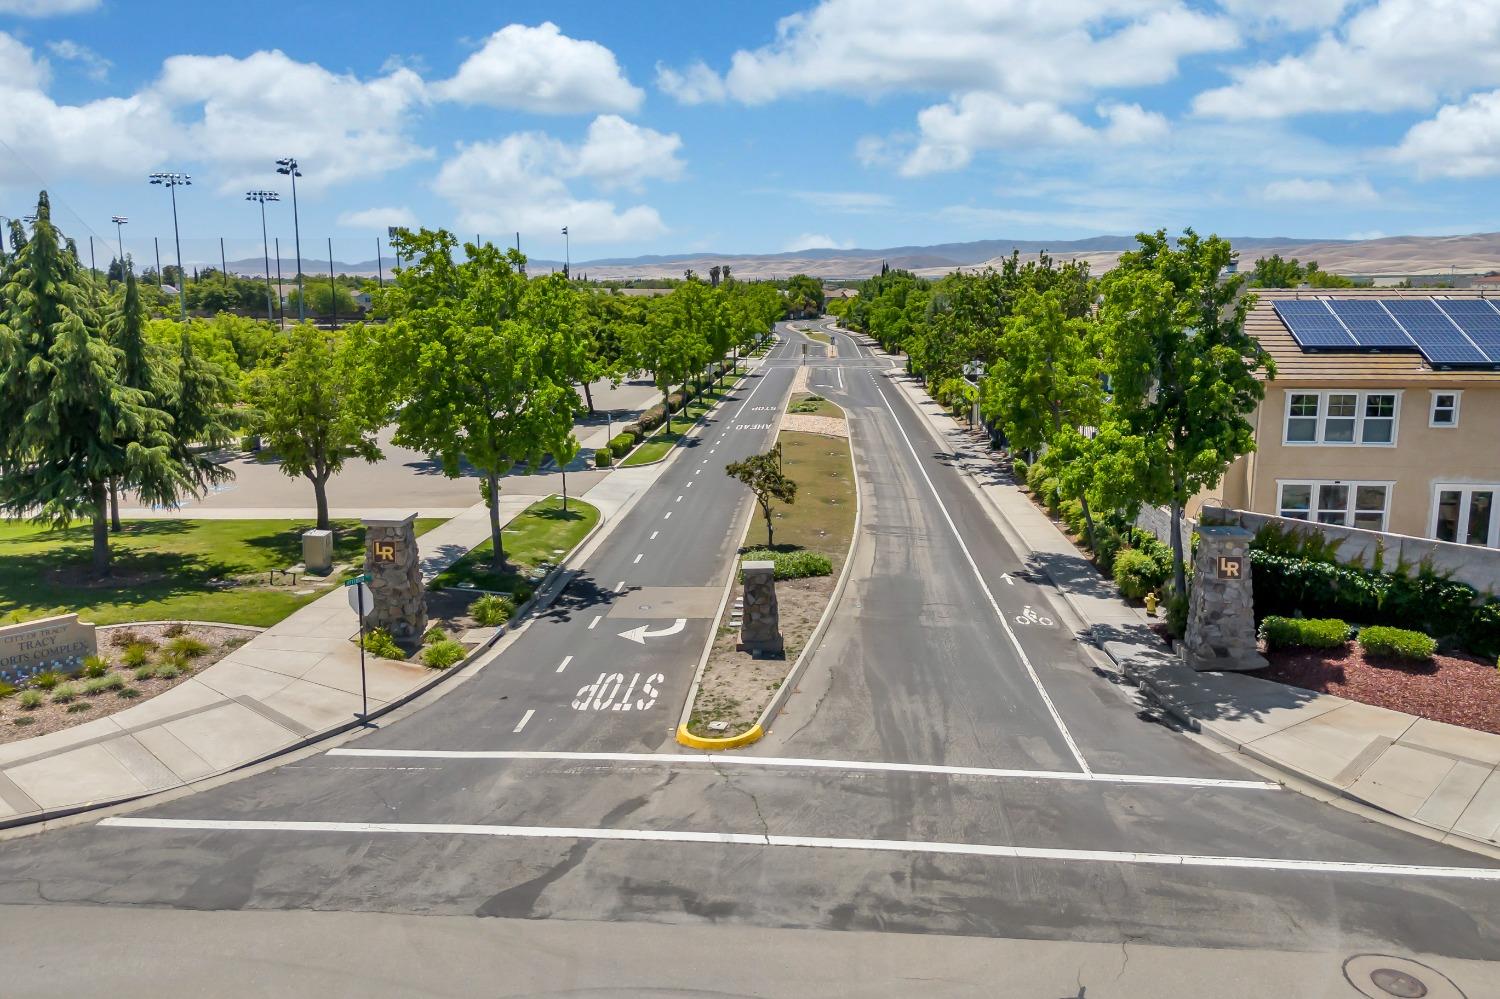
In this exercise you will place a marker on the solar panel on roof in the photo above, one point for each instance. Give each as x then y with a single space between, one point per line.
1370 324
1479 319
1434 333
1312 325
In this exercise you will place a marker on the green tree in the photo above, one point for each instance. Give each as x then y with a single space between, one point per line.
1277 272
200 399
140 367
672 345
763 475
1182 368
68 427
478 359
804 296
563 450
310 411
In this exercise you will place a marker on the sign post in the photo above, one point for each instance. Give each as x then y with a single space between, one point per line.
360 600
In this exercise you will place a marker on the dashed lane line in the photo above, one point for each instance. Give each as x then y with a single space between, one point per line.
524 719
564 664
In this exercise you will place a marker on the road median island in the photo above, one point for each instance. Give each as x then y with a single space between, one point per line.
813 538
656 447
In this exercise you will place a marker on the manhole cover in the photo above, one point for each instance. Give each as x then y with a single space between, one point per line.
1382 976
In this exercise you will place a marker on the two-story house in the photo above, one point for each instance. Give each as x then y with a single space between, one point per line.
1384 413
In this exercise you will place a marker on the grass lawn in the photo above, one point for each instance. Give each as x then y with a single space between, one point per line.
812 404
656 447
540 533
817 335
200 570
822 518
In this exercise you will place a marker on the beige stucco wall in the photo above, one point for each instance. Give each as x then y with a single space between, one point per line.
1421 457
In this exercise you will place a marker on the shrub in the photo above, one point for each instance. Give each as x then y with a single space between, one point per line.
186 647
94 666
1137 573
99 684
30 699
1072 515
23 721
1019 468
128 693
47 680
603 458
136 654
434 634
130 637
176 628
492 610
799 564
1177 615
1304 633
653 417
6 689
379 642
145 672
78 706
1398 643
64 692
675 401
441 655
621 444
170 670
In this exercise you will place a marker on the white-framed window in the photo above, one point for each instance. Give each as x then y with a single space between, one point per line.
1342 418
1444 409
1465 512
1335 501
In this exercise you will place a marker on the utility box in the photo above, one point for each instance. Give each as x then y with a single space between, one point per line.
317 552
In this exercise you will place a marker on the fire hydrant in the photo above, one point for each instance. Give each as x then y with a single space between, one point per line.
1151 604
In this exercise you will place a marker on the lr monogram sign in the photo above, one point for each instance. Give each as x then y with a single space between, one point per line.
1231 566
383 551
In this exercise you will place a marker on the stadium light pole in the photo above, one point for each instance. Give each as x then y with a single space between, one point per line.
172 181
567 254
119 221
265 243
288 167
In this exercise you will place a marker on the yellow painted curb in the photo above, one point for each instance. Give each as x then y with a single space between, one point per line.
733 742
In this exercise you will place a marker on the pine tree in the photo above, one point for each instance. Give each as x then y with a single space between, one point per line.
67 424
140 365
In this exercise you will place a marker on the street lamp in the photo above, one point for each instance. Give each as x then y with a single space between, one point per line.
172 181
119 221
288 167
263 197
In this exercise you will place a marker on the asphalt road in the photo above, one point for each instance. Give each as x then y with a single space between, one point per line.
1082 824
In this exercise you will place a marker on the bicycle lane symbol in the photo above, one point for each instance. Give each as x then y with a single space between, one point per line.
1029 616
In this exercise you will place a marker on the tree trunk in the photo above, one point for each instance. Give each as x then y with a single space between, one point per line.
588 397
565 486
320 496
770 532
114 505
101 531
1179 572
496 542
1088 523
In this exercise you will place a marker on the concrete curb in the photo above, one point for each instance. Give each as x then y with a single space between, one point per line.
547 588
778 699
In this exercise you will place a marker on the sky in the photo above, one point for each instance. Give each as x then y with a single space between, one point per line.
655 128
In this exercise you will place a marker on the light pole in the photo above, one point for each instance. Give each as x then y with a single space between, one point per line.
119 221
172 181
567 254
288 168
263 197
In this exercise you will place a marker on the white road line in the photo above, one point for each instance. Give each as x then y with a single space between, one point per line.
997 851
620 586
595 622
697 471
840 373
668 515
638 558
524 719
678 500
786 762
564 664
979 576
690 485
654 534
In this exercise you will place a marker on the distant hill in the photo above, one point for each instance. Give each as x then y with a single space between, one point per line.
1392 255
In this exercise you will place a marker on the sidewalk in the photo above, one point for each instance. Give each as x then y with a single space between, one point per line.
1435 775
293 684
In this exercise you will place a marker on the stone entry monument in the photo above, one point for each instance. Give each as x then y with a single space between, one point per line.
53 644
1221 611
760 632
395 579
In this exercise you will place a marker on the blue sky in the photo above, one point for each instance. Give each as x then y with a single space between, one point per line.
655 128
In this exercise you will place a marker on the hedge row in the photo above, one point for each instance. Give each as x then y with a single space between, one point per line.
798 564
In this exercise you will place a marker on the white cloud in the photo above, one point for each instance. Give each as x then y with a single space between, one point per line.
542 70
953 131
95 66
523 181
696 84
814 241
1392 55
848 202
1461 140
20 69
45 8
267 105
1299 189
1296 15
1021 49
378 218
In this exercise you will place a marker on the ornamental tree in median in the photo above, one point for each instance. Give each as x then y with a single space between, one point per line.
475 356
763 474
1182 368
310 410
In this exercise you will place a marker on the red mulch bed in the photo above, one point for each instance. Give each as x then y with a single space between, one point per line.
1456 689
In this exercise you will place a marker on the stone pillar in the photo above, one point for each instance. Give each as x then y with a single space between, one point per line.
760 633
1221 612
395 579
